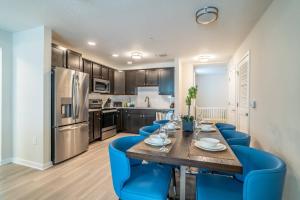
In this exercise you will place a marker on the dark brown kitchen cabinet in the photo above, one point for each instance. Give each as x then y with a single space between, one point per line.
152 77
74 60
112 80
87 68
58 56
104 73
140 78
130 82
119 82
97 71
97 125
91 126
119 120
166 81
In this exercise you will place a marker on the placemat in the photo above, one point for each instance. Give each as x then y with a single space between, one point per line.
142 146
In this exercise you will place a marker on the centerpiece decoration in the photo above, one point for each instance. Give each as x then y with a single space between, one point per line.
188 120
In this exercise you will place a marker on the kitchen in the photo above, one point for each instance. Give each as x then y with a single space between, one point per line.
112 96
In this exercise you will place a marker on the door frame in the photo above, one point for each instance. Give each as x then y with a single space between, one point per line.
1 96
245 56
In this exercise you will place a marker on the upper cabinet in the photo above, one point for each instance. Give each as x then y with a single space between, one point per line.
152 77
111 73
166 81
104 73
140 78
87 68
97 72
119 82
130 82
58 56
74 60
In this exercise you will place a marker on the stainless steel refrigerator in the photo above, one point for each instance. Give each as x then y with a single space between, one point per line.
69 101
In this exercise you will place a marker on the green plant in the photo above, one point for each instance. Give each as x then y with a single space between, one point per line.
192 94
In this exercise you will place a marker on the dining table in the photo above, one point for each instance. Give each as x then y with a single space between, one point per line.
183 153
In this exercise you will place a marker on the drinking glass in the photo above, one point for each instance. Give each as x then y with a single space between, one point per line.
164 136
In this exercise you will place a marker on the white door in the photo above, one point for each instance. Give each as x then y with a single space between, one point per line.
231 108
243 94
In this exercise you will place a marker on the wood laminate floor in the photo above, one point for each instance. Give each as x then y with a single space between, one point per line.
86 176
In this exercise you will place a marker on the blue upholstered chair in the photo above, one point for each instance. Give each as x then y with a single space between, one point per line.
136 182
224 126
263 175
148 130
161 122
236 137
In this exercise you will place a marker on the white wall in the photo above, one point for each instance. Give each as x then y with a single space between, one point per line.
31 97
212 90
275 85
6 77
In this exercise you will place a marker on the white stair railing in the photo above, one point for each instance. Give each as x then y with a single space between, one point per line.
215 114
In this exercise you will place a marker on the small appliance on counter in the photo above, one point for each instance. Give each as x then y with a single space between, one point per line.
117 104
95 103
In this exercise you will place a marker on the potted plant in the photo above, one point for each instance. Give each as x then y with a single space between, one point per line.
187 120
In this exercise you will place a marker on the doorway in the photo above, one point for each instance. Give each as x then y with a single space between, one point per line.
243 79
1 105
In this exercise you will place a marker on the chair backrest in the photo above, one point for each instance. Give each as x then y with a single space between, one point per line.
236 137
119 162
148 130
161 122
264 173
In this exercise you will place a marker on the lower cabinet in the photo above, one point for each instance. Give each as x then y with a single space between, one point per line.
134 119
94 126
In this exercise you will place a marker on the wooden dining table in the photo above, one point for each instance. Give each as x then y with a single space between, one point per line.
183 153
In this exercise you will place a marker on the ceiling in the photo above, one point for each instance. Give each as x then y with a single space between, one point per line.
151 26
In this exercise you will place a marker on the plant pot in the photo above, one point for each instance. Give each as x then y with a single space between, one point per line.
187 126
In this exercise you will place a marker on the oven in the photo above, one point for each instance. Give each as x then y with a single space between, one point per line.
109 123
101 86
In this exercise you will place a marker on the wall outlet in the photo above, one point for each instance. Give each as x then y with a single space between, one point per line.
34 140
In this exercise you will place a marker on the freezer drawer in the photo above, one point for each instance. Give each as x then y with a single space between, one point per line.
69 141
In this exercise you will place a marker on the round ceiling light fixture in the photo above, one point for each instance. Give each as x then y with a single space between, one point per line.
136 55
207 15
129 62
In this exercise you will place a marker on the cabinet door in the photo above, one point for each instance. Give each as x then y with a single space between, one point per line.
104 73
74 60
58 56
91 126
130 82
166 81
96 70
112 80
97 125
119 120
140 78
152 77
149 116
119 82
87 68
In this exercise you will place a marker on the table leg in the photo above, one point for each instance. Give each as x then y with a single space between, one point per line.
182 182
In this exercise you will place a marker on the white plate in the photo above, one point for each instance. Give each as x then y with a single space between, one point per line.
148 141
219 147
208 130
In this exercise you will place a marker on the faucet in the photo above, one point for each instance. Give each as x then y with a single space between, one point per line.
147 99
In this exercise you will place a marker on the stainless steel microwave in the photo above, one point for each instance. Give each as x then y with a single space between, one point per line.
101 86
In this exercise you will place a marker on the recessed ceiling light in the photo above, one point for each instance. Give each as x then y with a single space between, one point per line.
129 62
92 43
136 55
204 58
207 15
115 55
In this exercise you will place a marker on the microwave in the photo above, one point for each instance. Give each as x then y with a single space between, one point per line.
101 86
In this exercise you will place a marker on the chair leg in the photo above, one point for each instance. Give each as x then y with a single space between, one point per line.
174 181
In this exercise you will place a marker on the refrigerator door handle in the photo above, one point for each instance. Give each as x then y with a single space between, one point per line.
78 97
73 97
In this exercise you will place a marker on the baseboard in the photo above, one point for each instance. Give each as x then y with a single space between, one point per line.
5 161
32 164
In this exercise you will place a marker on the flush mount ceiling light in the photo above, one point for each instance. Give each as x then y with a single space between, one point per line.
136 55
115 55
129 62
92 43
203 58
207 15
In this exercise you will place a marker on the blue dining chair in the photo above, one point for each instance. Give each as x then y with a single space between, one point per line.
148 130
236 137
224 126
161 122
263 174
136 182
